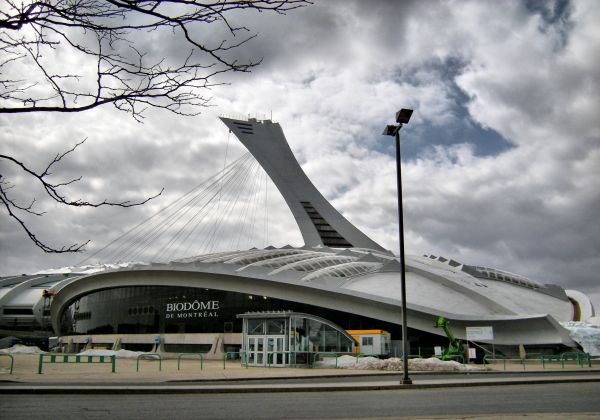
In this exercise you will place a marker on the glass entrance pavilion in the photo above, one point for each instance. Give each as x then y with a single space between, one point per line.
290 338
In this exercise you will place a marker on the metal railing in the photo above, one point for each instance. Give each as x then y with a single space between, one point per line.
337 355
487 358
576 357
190 354
149 356
74 358
544 359
325 353
243 356
359 355
550 358
580 358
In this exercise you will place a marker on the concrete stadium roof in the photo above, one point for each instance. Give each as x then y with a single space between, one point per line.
351 280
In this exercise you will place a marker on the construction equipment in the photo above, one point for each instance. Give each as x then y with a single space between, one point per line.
455 346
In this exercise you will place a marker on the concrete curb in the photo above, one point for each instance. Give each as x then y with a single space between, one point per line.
385 373
249 388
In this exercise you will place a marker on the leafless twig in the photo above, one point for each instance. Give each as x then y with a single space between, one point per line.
53 190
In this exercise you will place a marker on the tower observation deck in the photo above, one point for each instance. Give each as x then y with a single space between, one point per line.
319 222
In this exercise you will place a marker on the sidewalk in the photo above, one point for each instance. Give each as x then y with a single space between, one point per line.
97 378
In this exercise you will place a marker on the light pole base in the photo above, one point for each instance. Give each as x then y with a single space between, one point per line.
406 381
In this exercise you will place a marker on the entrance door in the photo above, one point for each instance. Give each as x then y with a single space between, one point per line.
275 348
256 351
266 350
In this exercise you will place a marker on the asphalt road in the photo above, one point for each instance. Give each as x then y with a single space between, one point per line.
498 400
388 377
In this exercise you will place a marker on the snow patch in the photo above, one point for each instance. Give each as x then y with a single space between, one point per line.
395 364
595 320
586 334
21 349
120 354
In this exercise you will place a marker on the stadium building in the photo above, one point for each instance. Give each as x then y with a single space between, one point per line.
287 302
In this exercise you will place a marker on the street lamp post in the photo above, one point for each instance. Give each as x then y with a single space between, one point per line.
402 117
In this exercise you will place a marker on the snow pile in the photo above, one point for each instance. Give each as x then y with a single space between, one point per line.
595 320
395 364
586 334
120 354
21 349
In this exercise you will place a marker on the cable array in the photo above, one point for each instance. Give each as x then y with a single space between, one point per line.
223 212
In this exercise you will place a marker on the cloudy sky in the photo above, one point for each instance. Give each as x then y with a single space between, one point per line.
501 160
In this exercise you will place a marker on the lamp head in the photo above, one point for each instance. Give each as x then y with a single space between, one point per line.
403 116
390 130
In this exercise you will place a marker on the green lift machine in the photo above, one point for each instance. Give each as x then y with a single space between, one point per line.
455 347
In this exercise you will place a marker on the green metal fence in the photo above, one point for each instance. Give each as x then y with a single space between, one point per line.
315 355
149 356
488 357
46 358
324 353
575 357
181 355
549 358
243 356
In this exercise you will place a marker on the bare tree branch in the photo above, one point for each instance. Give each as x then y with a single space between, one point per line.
116 64
52 190
112 60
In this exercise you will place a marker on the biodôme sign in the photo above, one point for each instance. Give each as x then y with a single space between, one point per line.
194 309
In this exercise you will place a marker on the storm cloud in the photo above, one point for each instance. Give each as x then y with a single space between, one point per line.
501 159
